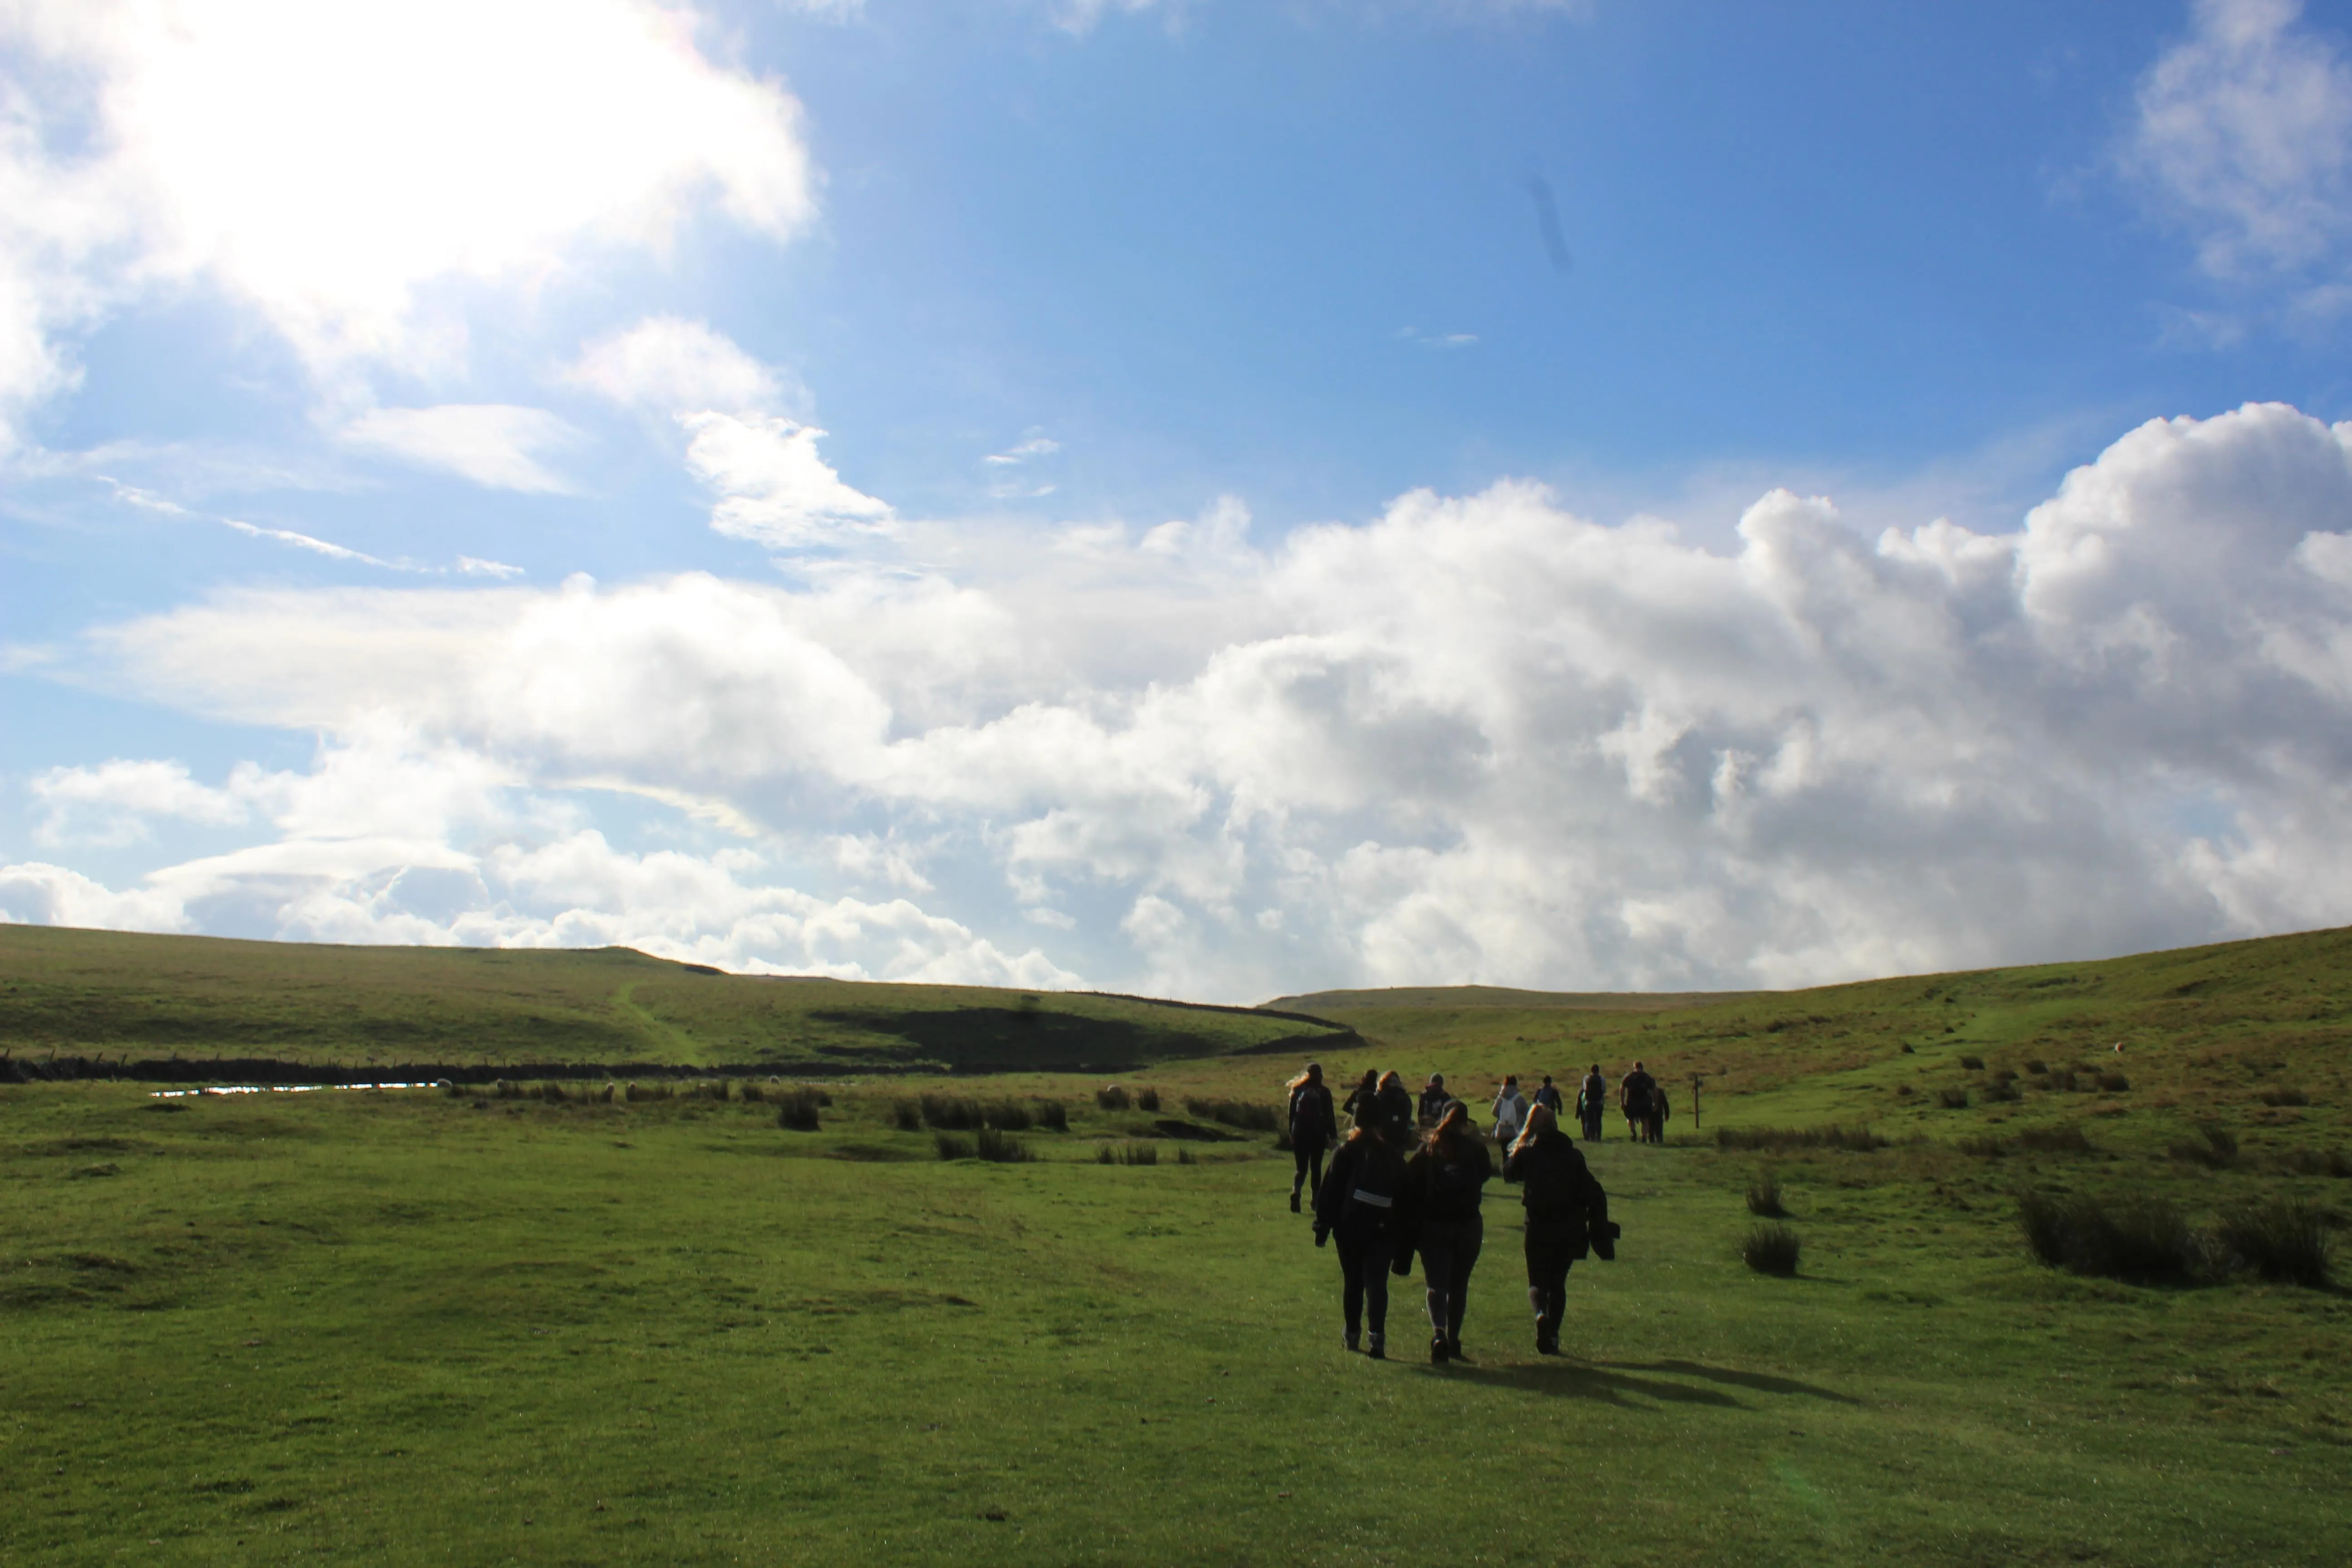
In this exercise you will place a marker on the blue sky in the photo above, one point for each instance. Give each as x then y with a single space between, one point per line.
1199 497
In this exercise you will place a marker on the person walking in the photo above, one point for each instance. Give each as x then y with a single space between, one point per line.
1568 1217
1592 1103
1549 1094
1360 1097
1659 1110
1633 1091
1357 1205
1511 1111
1442 1185
1434 1100
1394 1102
1312 1127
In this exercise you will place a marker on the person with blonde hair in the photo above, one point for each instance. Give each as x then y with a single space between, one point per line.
1313 1128
1568 1217
1442 1187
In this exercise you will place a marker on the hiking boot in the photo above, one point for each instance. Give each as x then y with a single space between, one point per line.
1294 1200
1378 1350
1547 1344
1349 1341
1437 1350
1453 1351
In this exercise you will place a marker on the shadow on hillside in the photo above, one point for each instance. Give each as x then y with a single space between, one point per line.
1763 1383
1608 1382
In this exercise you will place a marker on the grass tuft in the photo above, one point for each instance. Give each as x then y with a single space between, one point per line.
2219 1152
796 1109
1147 1099
1972 1064
1053 1116
2285 1097
2113 1082
2140 1239
1238 1113
1771 1249
1128 1154
1982 1148
2062 1079
950 1146
1111 1097
907 1115
2286 1240
1952 1099
1001 1148
2069 1138
1854 1140
1764 1196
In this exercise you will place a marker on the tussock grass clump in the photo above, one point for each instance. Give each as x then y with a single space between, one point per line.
1771 1249
1147 1099
1905 1049
1982 1148
1184 1156
906 1116
1952 1099
2113 1083
2219 1152
1053 1116
950 1146
1238 1113
1128 1154
1764 1196
2286 1240
1854 1140
2285 1097
752 1093
2061 1079
1002 1150
2313 1162
1998 1092
2140 1239
1009 1116
1972 1064
2067 1140
796 1109
952 1112
552 1093
2037 1067
1111 1097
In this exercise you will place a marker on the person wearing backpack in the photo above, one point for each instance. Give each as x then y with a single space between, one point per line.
1358 1203
1312 1127
1633 1091
1568 1217
1549 1094
1511 1111
1441 1189
1592 1103
1394 1102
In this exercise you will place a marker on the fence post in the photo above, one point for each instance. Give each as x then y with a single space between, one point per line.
1696 1081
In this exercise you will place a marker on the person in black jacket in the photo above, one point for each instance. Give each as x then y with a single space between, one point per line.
1312 1127
1395 1103
1568 1217
1358 1203
1592 1103
1360 1098
1435 1099
1442 1183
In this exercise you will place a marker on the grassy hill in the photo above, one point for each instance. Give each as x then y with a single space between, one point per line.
86 993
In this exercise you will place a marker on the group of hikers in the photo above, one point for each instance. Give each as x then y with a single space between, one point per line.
1407 1178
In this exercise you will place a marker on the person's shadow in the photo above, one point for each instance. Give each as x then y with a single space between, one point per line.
1611 1382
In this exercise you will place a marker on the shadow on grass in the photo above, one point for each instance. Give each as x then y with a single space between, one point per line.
1763 1383
1571 1380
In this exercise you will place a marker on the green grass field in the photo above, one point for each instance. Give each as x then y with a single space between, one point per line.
411 1327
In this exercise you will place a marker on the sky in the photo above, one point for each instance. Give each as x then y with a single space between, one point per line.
1190 496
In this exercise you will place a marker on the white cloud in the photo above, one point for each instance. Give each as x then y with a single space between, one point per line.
2244 136
496 445
112 803
1034 446
330 165
1478 738
773 488
667 365
306 542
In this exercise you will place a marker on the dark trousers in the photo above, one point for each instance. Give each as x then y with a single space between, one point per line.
1449 1250
1592 1126
1308 1154
1551 1247
1365 1252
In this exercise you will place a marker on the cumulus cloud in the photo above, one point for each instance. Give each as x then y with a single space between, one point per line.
275 149
665 364
496 445
2244 136
1477 738
773 488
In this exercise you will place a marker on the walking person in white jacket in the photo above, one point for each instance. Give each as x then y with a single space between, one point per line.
1511 1111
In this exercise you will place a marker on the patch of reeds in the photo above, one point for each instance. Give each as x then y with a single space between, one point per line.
1111 1097
1998 1092
2061 1079
1147 1099
2313 1162
2285 1097
796 1109
1764 1196
1854 1140
1972 1064
1771 1249
957 1113
752 1093
2113 1083
907 1115
1952 1099
2218 1152
1053 1116
1001 1148
2069 1138
2037 1067
2286 1240
1248 1117
1184 1156
552 1093
2142 1240
1128 1154
950 1146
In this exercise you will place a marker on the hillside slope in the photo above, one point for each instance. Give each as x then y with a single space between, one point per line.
86 993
